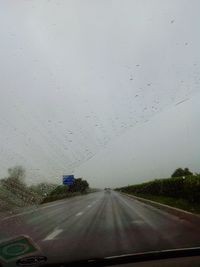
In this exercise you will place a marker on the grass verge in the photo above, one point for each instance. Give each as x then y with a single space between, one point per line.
61 196
177 203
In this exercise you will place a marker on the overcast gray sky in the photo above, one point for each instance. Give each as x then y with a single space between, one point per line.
95 88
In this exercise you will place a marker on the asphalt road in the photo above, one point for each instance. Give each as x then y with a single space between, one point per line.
98 225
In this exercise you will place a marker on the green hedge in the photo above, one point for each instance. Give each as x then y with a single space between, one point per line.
60 196
186 188
60 192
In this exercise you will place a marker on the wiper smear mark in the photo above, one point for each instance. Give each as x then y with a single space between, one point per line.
182 101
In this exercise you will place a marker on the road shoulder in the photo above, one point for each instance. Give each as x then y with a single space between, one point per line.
182 214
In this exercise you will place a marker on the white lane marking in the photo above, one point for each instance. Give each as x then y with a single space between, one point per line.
32 210
138 222
79 213
52 205
37 209
53 234
89 206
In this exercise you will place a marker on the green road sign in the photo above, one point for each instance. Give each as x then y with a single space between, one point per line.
16 248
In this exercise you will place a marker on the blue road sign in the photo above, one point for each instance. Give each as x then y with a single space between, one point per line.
68 179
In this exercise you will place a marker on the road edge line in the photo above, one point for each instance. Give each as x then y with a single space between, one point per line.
182 214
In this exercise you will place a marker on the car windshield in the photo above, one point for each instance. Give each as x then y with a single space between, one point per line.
99 128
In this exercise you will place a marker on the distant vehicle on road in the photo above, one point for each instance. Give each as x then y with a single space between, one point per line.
107 190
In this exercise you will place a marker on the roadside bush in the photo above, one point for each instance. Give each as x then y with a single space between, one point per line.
80 186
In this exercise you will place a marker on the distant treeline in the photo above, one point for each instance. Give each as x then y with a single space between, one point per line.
184 187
